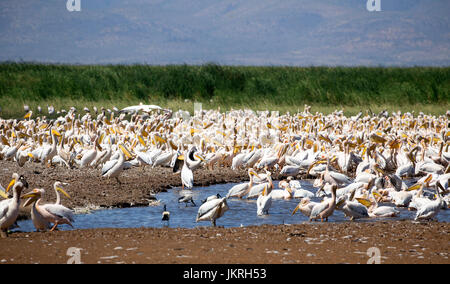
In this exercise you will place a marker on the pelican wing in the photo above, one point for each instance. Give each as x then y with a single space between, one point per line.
238 190
4 206
256 190
59 210
207 210
108 166
356 209
318 208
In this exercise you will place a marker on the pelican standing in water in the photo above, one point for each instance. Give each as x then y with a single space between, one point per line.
242 189
324 209
50 213
264 201
305 206
212 210
9 208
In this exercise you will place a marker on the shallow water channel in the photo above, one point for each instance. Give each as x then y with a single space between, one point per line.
241 213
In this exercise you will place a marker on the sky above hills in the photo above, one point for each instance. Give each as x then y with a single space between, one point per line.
244 32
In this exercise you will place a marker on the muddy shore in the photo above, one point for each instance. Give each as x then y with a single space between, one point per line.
396 241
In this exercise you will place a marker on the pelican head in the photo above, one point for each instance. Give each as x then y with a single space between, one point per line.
58 186
32 196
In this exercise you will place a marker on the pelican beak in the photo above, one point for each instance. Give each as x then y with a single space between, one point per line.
414 187
30 155
428 179
376 194
125 151
296 209
55 132
32 194
3 194
264 191
10 185
333 159
199 157
181 157
63 192
288 188
364 202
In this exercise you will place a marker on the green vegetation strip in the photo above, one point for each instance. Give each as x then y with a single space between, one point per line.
178 86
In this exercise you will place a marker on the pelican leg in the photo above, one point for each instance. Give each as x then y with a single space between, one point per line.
213 222
118 181
54 227
4 234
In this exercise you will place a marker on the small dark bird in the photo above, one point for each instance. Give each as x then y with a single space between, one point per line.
165 214
186 199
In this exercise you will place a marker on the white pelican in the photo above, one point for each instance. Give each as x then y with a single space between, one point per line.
379 211
90 155
352 209
264 201
113 168
324 209
212 210
9 208
242 189
46 153
51 213
256 190
305 206
187 176
431 209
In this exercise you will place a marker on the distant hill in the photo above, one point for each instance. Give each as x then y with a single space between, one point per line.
249 32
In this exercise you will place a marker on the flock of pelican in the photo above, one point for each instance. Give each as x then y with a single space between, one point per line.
360 163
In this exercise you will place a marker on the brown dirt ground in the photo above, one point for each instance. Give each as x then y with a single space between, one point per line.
398 241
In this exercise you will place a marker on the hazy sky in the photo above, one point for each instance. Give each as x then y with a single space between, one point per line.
244 32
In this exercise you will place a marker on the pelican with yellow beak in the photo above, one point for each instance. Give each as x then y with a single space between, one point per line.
47 153
264 201
48 213
242 189
112 169
9 208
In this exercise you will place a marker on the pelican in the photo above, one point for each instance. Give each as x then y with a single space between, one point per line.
376 211
46 153
240 190
431 209
305 206
113 168
187 176
50 213
256 190
352 209
324 209
212 210
9 208
264 201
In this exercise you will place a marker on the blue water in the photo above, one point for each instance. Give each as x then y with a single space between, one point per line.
241 213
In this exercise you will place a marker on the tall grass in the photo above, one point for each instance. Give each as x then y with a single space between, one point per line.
282 88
